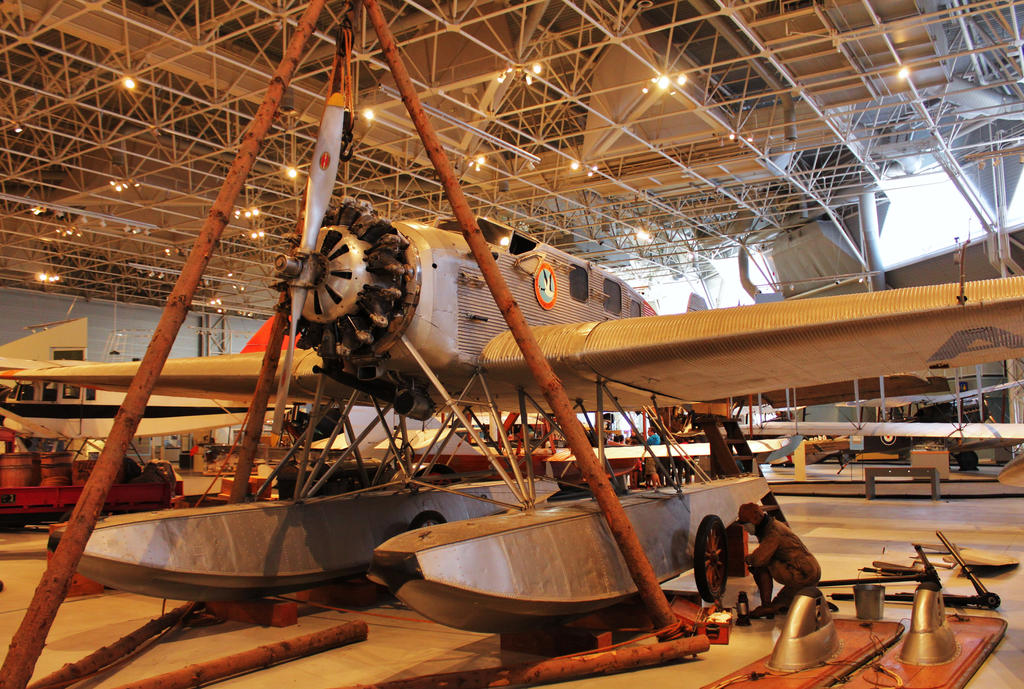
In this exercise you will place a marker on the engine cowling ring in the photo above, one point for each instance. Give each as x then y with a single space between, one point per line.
367 285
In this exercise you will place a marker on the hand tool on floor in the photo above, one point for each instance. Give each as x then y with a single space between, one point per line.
983 598
986 597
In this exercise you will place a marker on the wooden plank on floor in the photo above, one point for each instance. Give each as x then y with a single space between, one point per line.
976 637
859 641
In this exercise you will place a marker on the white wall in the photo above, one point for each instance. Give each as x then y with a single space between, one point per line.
19 309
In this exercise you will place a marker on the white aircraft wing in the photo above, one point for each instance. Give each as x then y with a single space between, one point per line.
230 377
708 355
905 400
986 431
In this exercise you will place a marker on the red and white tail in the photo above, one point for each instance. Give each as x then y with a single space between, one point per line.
258 341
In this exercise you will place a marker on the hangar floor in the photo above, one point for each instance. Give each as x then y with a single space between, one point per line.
844 533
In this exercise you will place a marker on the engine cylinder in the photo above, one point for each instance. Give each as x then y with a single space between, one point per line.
366 284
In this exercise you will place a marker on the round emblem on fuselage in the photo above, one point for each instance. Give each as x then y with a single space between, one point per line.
325 160
545 285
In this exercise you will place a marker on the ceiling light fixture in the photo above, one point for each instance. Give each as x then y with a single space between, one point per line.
536 68
128 83
575 165
529 80
645 90
643 235
368 114
681 79
18 128
904 73
291 172
663 82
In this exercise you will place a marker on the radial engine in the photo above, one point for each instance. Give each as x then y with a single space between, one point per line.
363 279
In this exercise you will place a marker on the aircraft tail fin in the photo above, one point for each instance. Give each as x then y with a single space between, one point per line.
258 341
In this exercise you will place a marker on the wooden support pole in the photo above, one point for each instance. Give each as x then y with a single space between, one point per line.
28 640
97 660
556 669
262 656
618 523
258 408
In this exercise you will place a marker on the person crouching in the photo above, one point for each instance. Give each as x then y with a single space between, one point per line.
780 556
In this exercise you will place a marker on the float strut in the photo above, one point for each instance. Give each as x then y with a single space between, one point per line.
27 642
621 529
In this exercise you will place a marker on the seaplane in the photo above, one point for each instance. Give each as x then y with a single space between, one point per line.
396 315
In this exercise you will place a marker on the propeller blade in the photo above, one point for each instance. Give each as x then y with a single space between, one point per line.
323 170
284 382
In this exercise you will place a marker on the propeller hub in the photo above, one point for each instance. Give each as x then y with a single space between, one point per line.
343 275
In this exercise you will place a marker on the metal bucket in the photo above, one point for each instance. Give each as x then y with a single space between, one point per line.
869 600
19 469
55 468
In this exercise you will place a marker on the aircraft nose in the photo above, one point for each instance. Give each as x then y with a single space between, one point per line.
393 569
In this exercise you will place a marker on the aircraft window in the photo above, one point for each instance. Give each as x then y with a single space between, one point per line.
25 392
579 283
612 296
90 394
71 392
49 392
521 244
634 309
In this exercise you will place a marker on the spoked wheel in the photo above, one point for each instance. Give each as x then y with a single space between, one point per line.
710 558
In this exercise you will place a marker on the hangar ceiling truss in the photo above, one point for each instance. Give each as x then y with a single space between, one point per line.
650 136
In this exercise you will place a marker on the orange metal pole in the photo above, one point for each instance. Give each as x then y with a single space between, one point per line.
258 407
555 669
262 656
97 660
619 525
30 636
